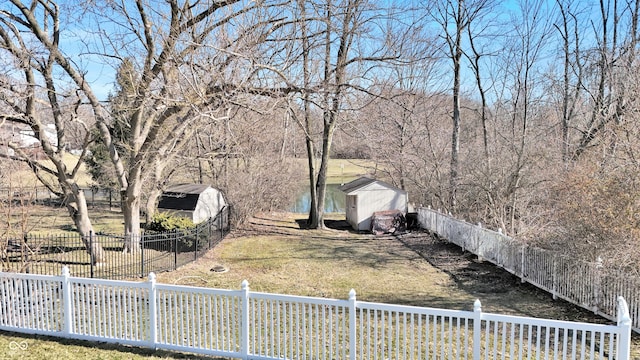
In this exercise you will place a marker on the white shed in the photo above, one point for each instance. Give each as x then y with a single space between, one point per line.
364 196
197 202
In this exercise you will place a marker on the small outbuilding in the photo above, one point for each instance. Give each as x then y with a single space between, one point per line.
197 202
365 195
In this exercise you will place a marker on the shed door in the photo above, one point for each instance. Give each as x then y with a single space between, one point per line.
352 209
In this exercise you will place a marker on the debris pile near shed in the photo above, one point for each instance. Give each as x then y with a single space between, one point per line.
388 222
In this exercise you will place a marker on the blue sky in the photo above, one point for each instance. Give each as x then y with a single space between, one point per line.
101 74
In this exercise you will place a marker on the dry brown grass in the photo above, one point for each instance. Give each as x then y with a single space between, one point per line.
21 175
44 220
277 256
342 170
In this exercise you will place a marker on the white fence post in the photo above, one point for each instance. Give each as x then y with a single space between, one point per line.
475 240
597 285
67 317
153 315
624 337
477 329
352 324
523 263
244 327
554 278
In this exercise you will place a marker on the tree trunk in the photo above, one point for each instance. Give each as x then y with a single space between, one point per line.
456 56
312 221
455 138
131 212
321 184
132 227
151 205
77 207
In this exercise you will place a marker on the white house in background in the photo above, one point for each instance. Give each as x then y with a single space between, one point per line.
364 196
197 202
23 137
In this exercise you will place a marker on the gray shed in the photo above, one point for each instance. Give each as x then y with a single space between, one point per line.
364 196
197 202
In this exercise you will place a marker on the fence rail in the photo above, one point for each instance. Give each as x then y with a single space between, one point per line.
588 285
158 251
253 325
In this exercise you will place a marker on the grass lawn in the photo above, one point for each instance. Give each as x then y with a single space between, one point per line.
275 255
43 220
281 258
21 176
341 171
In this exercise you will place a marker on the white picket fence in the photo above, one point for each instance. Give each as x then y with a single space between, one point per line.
253 325
588 285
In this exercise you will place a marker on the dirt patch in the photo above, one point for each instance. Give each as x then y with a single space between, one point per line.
497 289
464 268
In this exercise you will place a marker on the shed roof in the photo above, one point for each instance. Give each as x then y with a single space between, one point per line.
360 183
187 188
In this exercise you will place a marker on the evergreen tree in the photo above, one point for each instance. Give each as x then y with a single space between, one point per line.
99 164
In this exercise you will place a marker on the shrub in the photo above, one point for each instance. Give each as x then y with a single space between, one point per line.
167 224
164 221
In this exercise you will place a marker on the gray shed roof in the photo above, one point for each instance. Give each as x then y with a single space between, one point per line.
364 181
187 188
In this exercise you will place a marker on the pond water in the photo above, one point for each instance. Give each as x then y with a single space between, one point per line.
334 201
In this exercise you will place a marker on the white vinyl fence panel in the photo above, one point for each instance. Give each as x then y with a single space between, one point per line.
197 319
403 332
585 284
294 327
32 303
253 325
99 309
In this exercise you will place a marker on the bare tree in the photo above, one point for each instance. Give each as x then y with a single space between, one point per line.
334 64
187 61
608 67
399 121
455 17
600 188
240 157
526 53
34 101
306 122
572 70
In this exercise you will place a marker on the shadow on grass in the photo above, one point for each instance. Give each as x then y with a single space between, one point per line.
124 349
266 222
341 225
340 228
373 253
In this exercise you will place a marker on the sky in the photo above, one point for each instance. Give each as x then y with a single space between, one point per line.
101 75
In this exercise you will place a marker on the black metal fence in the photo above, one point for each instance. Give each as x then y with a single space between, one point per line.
157 252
